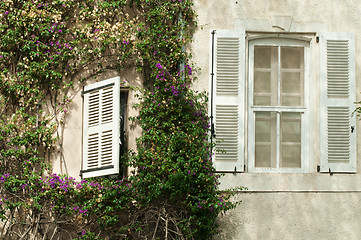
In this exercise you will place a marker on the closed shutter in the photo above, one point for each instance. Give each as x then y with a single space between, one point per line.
337 102
101 128
228 92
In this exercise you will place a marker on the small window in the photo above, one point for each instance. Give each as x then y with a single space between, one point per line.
103 128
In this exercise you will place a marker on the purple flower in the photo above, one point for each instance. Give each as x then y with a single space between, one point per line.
189 69
83 211
6 13
4 177
1 56
159 66
60 30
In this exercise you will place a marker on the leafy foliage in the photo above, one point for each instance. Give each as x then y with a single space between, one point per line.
174 158
48 45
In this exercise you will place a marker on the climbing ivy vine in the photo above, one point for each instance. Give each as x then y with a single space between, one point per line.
48 46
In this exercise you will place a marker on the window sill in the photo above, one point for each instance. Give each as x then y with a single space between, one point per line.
275 182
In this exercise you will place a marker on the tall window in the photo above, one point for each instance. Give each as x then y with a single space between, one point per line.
278 93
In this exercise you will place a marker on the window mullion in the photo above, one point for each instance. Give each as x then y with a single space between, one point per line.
278 76
278 104
278 139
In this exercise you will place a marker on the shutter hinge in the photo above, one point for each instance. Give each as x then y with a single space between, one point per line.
212 130
317 39
329 170
235 170
352 129
318 168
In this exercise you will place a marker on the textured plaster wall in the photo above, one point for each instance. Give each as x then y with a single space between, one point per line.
301 216
287 206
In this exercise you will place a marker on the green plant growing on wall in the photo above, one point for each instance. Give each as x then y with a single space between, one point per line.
173 162
48 45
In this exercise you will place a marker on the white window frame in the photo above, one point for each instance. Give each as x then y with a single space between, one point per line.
305 110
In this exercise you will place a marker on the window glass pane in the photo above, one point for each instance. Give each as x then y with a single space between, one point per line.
291 157
262 82
262 57
265 139
291 89
291 100
292 57
262 100
263 156
262 88
291 82
290 140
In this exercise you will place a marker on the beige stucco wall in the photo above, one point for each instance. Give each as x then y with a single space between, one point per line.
301 216
287 206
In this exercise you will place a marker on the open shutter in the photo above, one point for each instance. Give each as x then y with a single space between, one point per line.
228 92
101 128
337 102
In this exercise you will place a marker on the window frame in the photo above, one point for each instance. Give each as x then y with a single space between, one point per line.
287 41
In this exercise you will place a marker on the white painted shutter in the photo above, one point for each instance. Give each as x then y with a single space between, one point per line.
337 102
228 92
101 128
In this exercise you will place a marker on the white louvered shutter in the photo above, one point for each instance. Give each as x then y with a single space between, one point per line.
337 102
101 128
228 92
